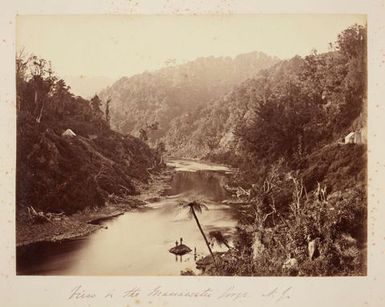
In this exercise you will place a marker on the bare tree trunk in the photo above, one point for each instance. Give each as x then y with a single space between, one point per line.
38 119
203 234
226 244
35 104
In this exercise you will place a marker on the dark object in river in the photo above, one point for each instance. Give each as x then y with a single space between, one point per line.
180 249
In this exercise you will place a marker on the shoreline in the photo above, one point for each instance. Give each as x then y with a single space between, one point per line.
85 222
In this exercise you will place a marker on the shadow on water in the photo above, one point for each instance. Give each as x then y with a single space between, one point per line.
48 257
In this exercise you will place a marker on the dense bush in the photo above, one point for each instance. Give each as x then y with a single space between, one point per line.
56 173
306 189
336 221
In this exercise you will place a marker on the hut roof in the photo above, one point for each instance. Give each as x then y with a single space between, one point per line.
350 135
69 133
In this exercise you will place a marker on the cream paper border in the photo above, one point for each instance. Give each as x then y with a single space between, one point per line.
54 291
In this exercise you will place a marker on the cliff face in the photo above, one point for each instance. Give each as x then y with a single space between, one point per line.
172 92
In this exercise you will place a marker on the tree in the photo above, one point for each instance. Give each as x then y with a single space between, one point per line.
278 122
108 116
194 207
42 79
353 44
295 105
61 97
143 135
96 103
21 68
160 150
352 41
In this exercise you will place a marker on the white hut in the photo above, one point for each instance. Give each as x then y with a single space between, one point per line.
349 139
356 137
363 135
68 133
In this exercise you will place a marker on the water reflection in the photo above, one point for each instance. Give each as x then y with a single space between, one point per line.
138 242
203 183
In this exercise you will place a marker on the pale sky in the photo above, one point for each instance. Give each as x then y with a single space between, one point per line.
120 45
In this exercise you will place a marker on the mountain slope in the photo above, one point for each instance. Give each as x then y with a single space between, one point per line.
57 173
304 195
68 158
298 103
211 129
161 96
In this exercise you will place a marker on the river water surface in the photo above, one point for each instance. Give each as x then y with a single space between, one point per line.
137 242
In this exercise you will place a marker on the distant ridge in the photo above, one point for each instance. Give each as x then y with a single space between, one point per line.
170 92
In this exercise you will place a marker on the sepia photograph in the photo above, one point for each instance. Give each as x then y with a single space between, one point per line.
191 145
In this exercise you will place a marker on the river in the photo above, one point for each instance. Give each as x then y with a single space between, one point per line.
137 242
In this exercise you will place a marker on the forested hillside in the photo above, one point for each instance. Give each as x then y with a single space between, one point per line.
158 97
61 170
286 110
293 131
302 186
